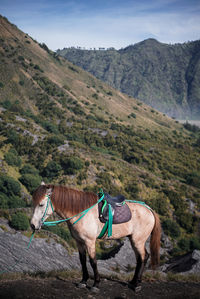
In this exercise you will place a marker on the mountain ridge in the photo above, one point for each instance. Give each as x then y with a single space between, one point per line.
161 75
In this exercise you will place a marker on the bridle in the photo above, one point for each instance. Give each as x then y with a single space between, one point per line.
46 209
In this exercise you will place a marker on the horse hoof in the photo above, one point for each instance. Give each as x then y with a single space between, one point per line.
137 289
81 285
94 290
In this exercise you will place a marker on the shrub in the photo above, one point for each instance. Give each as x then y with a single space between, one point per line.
30 181
50 127
71 164
9 186
184 244
193 179
12 158
52 170
194 243
171 228
187 244
55 140
21 58
28 168
19 221
3 201
185 219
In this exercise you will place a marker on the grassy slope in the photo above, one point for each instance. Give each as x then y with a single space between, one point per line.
144 155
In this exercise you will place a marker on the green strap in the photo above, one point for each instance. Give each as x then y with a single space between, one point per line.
81 214
103 231
139 202
48 201
107 225
110 220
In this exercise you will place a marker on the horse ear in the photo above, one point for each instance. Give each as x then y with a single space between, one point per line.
49 191
42 183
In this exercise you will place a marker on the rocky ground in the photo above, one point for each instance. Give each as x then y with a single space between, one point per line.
47 254
55 288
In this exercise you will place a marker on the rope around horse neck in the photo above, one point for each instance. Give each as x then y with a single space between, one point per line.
81 214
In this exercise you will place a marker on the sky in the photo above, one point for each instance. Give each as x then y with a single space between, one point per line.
104 23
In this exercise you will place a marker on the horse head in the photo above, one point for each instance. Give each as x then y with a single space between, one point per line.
43 207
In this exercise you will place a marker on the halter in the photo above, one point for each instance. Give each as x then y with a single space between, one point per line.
45 212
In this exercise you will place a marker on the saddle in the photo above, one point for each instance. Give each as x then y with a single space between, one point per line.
115 208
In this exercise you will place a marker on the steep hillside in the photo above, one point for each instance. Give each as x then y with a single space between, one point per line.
161 75
60 124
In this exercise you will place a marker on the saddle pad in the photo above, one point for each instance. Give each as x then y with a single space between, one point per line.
122 213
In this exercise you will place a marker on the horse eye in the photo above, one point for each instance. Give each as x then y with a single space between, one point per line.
41 205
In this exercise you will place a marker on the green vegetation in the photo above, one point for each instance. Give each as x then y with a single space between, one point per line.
30 181
171 228
19 221
10 191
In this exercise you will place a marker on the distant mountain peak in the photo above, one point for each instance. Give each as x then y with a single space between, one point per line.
161 75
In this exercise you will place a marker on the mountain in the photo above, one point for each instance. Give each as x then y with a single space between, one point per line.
60 124
163 76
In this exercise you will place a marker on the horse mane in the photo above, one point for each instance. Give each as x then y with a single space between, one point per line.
66 199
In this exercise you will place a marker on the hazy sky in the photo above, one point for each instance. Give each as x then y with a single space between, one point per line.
104 23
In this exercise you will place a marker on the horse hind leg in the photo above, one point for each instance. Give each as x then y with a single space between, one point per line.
142 258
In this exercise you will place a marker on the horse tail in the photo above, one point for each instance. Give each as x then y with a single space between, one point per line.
155 241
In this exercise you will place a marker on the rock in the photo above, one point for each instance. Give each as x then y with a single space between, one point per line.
43 254
185 264
47 255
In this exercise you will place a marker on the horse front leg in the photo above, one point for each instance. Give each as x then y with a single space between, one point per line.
142 258
82 256
91 248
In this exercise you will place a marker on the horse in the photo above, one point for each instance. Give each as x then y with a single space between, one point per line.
67 202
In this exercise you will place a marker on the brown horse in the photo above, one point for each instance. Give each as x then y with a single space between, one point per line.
67 202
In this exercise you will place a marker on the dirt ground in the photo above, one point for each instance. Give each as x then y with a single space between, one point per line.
53 288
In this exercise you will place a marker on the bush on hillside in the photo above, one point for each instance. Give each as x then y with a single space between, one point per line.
12 158
55 140
193 179
9 186
171 228
28 168
19 221
51 170
15 202
71 164
30 181
187 244
10 191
